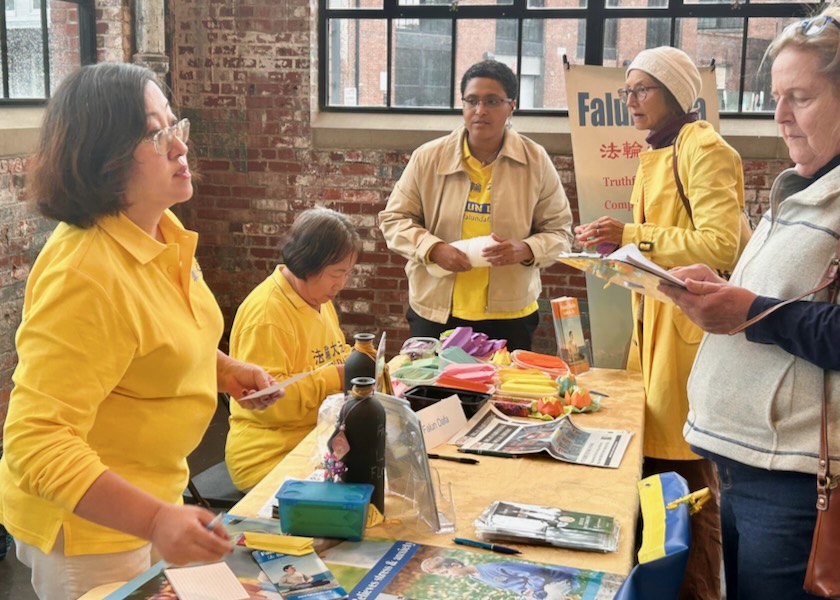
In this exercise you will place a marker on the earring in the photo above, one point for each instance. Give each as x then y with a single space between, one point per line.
509 123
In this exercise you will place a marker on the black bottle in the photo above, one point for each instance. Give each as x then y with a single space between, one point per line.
361 362
363 419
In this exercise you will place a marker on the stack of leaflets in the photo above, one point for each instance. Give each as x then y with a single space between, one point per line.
528 523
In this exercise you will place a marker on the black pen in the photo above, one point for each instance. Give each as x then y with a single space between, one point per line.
486 546
459 459
486 452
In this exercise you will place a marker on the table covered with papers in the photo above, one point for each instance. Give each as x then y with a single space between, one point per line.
533 478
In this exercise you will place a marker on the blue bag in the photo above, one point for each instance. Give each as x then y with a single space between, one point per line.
666 508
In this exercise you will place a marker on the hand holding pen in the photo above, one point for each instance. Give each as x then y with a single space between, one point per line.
189 534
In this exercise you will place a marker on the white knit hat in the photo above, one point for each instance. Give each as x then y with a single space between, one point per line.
674 69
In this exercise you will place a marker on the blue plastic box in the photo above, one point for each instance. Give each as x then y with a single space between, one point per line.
324 509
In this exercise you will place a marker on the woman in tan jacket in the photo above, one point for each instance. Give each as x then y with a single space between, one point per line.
486 183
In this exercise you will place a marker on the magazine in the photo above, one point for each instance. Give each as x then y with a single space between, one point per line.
299 577
420 572
529 523
491 432
627 267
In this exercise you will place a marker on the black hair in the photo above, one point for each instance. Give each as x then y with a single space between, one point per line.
492 69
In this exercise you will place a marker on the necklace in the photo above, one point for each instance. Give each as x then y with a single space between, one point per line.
484 163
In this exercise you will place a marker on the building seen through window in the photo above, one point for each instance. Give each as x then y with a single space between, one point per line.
408 55
45 40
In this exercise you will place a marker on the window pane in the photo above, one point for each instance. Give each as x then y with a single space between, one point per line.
480 39
422 58
26 52
553 4
633 36
357 72
361 4
637 4
721 42
543 83
760 32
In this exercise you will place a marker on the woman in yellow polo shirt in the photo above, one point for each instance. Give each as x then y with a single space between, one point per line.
288 324
118 372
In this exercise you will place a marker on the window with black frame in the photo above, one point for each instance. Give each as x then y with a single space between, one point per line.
42 41
408 55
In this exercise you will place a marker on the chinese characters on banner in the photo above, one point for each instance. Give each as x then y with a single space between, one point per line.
606 149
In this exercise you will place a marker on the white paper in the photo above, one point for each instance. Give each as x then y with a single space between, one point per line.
280 385
441 421
215 581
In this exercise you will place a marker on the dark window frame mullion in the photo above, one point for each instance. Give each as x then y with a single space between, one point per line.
45 47
4 52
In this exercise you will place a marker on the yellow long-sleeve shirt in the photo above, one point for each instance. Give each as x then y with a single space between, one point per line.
276 329
117 371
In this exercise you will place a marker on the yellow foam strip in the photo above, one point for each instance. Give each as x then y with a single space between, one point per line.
653 515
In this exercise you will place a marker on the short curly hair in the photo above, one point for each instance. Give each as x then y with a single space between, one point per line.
492 69
85 152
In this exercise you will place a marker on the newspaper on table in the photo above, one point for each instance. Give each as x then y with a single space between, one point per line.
492 432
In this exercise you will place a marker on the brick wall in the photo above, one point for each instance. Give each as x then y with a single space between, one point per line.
242 74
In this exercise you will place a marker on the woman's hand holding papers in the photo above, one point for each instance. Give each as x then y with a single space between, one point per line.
708 299
239 379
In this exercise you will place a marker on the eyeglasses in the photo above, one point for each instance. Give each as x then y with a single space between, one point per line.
815 26
163 139
640 91
488 102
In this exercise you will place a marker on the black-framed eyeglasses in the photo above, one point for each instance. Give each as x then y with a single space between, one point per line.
488 102
640 91
815 26
163 139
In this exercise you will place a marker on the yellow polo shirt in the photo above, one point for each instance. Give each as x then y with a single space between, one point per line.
117 370
469 296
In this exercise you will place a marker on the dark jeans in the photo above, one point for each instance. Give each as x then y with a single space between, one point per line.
702 573
519 333
768 519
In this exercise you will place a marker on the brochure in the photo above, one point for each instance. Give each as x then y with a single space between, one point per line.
529 523
627 267
420 572
491 432
572 347
300 577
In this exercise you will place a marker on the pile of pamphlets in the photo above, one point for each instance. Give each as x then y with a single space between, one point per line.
530 524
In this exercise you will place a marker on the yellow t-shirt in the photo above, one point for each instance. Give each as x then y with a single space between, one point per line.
469 296
117 371
276 329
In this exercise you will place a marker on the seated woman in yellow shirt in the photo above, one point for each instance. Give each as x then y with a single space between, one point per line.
288 324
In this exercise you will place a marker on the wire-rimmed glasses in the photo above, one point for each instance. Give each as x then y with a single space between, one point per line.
640 92
488 101
815 26
163 139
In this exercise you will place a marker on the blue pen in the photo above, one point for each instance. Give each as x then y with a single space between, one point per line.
486 546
